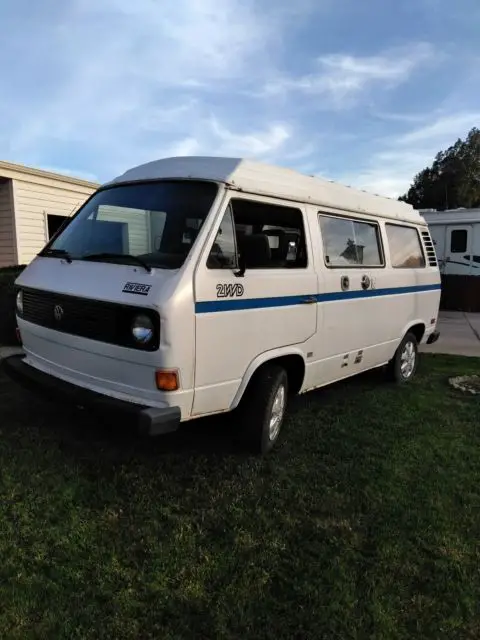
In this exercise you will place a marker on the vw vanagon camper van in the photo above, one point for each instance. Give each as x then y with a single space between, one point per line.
194 286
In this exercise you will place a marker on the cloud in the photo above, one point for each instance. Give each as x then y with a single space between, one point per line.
342 77
446 128
112 84
180 42
128 73
214 138
255 144
400 157
184 147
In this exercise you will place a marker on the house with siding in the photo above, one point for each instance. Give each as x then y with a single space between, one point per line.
33 204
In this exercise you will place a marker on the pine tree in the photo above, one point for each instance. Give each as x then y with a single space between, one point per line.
452 181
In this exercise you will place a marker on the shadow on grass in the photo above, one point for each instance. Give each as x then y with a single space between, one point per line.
83 434
81 431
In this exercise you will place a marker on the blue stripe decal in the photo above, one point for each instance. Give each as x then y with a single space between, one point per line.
241 304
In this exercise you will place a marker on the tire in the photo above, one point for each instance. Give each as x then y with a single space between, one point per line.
403 366
265 399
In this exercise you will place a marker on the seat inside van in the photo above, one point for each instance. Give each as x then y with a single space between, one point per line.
256 251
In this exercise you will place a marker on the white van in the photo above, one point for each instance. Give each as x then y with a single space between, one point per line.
198 285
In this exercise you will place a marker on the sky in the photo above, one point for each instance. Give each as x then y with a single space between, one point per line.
364 92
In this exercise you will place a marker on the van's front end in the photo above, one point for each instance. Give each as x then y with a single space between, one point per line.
106 310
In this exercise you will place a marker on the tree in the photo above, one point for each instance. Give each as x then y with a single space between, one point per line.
452 181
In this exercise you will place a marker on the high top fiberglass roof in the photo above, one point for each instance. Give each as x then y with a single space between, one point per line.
269 180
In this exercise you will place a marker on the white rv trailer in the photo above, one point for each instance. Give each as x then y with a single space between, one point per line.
194 286
456 236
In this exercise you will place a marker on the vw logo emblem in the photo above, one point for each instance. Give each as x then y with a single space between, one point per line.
58 312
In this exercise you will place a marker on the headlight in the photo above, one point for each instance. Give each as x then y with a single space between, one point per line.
142 329
20 302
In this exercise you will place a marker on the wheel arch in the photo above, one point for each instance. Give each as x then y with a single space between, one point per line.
418 328
292 360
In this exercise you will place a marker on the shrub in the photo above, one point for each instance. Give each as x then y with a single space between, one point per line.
8 324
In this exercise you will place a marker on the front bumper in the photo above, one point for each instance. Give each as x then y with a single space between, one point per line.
433 337
148 421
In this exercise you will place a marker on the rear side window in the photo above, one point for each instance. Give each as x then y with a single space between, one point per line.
350 243
405 248
458 241
259 235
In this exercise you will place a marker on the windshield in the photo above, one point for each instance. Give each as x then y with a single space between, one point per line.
157 222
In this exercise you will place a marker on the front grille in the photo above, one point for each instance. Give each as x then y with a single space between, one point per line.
103 321
429 248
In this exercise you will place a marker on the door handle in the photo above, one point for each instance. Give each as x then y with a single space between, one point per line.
309 300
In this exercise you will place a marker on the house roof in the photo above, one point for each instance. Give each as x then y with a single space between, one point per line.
268 180
9 167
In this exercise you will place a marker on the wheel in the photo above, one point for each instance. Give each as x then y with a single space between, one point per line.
404 363
262 409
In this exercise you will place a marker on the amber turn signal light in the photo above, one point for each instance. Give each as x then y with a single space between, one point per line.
166 380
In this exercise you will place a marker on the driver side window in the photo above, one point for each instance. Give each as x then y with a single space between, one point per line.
223 254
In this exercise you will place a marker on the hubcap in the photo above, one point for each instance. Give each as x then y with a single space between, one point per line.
278 409
407 360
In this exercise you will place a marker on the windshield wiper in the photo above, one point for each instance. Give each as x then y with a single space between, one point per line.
118 256
56 253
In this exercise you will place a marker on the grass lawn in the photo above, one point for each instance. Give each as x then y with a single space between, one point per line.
364 523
